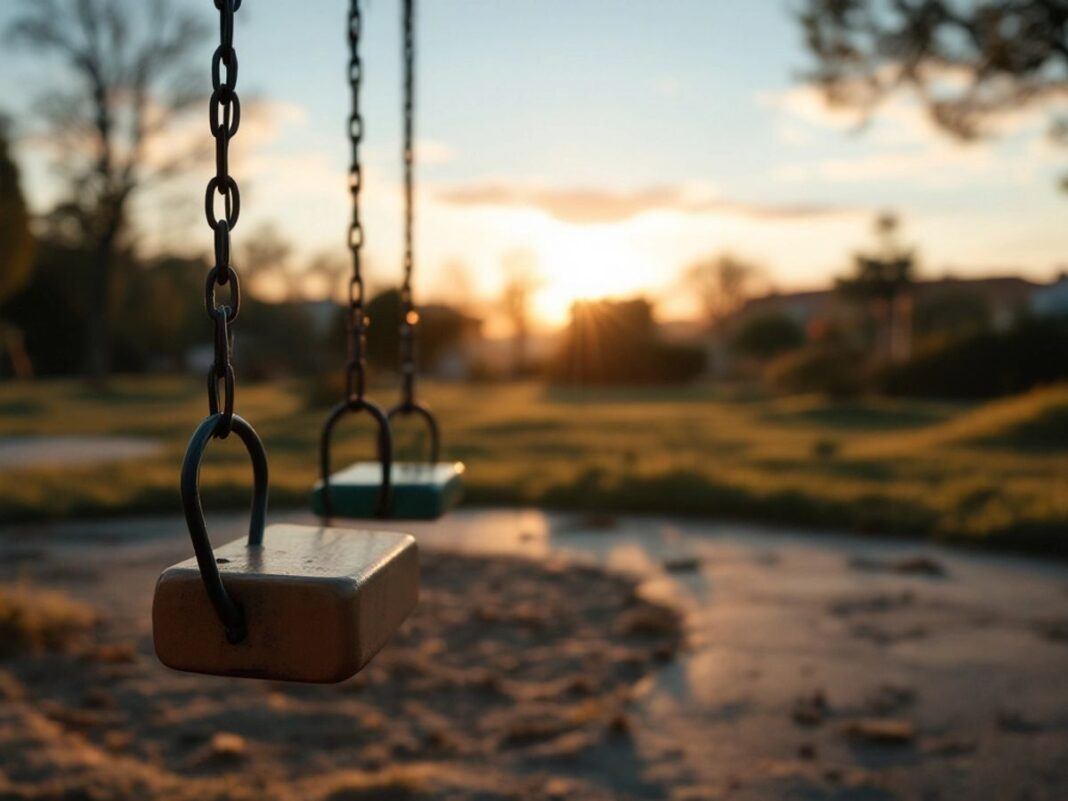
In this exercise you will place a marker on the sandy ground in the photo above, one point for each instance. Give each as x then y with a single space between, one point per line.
544 663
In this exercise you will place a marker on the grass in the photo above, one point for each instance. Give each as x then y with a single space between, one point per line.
991 473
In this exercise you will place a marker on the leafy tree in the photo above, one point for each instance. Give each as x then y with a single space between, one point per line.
969 62
127 81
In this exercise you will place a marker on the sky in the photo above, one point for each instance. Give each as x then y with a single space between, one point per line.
611 141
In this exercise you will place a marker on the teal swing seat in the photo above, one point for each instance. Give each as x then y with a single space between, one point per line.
383 488
418 490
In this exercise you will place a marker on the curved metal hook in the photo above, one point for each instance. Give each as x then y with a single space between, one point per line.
231 615
408 408
385 453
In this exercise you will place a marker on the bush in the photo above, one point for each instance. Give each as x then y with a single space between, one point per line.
766 335
985 365
615 342
827 370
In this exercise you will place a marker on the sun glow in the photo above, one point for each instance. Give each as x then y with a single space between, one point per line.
579 263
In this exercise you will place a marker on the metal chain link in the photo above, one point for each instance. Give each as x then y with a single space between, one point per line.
355 369
224 118
409 316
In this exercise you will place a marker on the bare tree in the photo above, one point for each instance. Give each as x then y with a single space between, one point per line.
129 81
326 272
265 262
969 62
455 285
721 283
522 279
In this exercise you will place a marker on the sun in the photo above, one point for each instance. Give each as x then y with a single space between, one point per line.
581 263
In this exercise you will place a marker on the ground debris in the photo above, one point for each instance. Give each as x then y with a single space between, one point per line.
647 620
809 709
682 564
880 731
888 699
1016 722
917 565
872 604
1055 630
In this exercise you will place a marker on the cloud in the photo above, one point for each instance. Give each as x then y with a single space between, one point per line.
589 206
899 119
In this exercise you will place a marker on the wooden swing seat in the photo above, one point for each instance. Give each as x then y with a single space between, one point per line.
318 604
420 491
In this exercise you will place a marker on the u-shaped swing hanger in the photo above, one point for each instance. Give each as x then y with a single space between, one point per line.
386 488
296 603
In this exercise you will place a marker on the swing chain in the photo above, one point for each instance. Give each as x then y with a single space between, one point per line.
355 369
409 316
224 118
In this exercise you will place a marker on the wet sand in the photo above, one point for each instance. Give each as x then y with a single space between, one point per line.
544 663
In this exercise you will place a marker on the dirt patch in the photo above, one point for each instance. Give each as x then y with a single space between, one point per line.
505 663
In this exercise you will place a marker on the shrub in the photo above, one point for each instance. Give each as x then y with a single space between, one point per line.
615 342
827 370
984 365
766 335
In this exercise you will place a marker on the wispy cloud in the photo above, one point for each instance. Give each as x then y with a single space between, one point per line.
900 119
591 205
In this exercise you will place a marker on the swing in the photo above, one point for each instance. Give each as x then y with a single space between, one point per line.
295 603
405 490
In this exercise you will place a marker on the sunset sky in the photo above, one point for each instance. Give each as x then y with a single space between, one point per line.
614 140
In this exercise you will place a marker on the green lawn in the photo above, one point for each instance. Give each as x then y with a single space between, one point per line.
992 473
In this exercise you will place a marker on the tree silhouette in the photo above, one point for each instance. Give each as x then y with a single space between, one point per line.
522 279
881 282
16 251
721 284
127 82
970 63
266 263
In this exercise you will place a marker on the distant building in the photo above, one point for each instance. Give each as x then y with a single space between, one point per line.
1051 300
1009 297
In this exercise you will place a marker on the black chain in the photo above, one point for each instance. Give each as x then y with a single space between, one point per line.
409 316
224 117
355 382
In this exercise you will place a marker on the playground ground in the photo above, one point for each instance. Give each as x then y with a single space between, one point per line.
559 656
